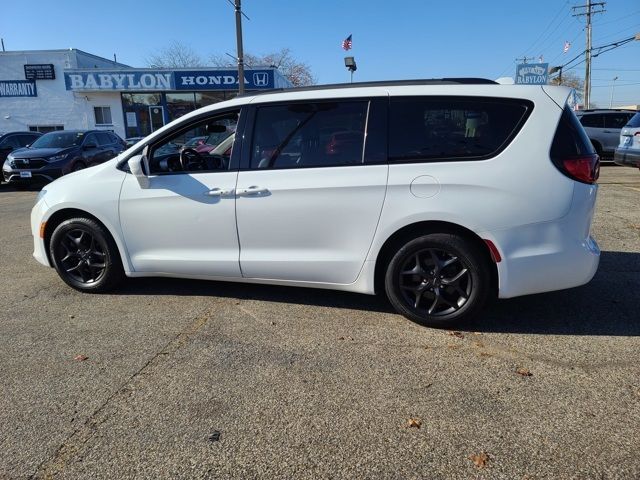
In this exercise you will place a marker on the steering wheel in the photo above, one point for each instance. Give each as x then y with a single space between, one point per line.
192 160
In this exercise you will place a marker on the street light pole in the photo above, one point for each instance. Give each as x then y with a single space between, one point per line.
239 44
613 85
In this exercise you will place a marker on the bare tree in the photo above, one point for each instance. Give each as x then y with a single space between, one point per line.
570 79
298 73
175 55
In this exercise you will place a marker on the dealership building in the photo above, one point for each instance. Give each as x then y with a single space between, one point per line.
45 90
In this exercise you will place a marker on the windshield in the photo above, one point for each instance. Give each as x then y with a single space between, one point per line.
59 140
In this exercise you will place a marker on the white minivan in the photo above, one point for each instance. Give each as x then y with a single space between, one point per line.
439 193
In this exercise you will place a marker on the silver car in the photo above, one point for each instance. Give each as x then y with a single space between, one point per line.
628 152
603 128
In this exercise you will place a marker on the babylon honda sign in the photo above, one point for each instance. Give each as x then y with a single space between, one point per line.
532 74
164 80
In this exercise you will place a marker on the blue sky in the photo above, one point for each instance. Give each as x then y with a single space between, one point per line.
391 39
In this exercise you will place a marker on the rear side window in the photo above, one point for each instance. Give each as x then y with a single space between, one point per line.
616 120
570 139
595 120
452 128
304 135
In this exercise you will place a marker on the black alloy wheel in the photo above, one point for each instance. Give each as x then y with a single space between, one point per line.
85 256
438 279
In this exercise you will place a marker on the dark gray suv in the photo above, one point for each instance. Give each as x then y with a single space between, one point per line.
603 128
57 153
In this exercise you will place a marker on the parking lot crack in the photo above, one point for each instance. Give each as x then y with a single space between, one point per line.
72 446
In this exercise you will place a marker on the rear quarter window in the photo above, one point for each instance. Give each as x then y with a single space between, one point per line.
430 129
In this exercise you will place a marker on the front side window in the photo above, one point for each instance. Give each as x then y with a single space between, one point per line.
104 138
451 128
309 135
179 153
103 115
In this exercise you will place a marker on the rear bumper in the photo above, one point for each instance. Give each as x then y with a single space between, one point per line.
549 256
627 157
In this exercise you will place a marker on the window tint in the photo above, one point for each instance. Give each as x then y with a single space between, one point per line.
90 139
27 139
309 135
439 128
616 120
10 141
173 155
592 120
570 139
104 138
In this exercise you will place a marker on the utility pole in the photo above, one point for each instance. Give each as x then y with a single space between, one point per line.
589 12
239 43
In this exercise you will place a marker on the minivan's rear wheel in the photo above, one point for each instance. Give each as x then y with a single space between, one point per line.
85 256
438 279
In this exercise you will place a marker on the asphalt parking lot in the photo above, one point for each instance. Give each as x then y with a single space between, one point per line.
186 379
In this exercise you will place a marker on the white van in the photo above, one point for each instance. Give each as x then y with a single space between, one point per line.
439 193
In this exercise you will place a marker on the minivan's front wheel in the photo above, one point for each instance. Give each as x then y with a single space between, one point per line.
85 256
438 279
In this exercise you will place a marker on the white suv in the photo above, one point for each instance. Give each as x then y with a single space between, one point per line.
440 193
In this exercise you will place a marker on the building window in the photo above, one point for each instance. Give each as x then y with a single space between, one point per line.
103 115
45 128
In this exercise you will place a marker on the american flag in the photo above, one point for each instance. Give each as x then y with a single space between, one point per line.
567 46
347 43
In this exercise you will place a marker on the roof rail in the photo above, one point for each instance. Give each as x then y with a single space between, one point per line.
382 83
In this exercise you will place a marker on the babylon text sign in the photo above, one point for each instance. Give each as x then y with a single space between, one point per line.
129 80
532 74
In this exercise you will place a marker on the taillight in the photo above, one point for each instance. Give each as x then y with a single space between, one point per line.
584 169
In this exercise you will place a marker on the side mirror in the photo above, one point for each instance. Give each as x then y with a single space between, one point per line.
135 165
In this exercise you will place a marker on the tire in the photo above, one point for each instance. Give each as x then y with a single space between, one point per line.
438 280
85 256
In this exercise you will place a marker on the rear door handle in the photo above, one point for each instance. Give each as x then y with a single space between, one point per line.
252 191
217 192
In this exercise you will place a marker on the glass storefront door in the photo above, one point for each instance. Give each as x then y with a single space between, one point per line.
139 119
156 114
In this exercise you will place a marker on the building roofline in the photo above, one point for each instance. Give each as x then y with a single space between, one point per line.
65 50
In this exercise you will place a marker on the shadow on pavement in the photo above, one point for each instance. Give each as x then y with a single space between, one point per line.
608 305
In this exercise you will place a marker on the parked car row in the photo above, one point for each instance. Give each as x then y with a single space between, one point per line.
603 128
43 158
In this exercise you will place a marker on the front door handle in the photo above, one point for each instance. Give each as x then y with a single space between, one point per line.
252 191
217 192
